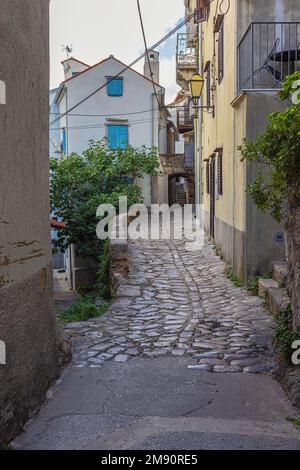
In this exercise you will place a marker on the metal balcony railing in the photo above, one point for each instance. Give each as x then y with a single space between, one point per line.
186 50
267 53
185 122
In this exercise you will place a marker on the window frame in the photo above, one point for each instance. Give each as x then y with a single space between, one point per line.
117 125
110 80
220 173
221 57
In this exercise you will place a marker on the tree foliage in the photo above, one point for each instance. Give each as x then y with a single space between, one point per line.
80 183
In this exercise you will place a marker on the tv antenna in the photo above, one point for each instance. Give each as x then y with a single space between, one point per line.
68 49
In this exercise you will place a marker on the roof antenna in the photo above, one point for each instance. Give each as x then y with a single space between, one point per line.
68 49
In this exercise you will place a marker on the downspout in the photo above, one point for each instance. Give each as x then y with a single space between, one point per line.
153 143
71 247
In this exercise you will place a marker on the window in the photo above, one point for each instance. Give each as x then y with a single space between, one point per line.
115 86
202 11
117 136
64 141
221 54
220 173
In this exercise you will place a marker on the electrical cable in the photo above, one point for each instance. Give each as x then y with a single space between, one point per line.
147 52
173 31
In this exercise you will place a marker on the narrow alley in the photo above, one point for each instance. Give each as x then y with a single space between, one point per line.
180 361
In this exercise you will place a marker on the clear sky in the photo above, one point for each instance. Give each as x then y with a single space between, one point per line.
98 28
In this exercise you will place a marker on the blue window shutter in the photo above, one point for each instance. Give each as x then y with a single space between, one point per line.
123 137
115 87
64 141
117 137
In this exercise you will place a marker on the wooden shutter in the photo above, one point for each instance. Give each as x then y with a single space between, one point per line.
122 137
202 11
113 137
117 136
64 141
220 173
208 86
221 54
115 87
207 178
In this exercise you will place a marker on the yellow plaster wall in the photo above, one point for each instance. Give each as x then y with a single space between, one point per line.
225 129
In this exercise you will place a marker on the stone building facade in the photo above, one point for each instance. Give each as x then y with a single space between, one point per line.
27 316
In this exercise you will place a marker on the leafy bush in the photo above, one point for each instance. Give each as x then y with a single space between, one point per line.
82 310
80 183
103 273
285 335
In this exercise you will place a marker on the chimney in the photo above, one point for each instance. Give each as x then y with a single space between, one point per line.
154 60
73 67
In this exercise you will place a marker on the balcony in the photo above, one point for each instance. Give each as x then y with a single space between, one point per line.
185 122
186 58
267 53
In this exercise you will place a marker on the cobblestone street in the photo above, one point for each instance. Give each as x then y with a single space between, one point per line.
178 303
169 365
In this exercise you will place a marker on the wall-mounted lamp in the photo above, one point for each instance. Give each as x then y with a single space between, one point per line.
196 91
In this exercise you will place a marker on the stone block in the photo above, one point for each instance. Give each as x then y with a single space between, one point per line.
280 273
264 285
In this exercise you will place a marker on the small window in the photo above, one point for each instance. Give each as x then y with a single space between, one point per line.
117 136
221 54
220 173
115 86
202 11
64 141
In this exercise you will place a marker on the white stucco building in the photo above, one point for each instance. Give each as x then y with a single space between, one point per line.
125 111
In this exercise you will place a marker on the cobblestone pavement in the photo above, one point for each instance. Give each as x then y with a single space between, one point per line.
178 303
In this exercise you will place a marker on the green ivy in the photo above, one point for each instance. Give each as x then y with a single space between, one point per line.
285 335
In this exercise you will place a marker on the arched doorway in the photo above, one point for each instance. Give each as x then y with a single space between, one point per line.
181 189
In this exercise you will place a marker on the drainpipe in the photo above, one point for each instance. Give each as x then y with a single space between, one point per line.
153 98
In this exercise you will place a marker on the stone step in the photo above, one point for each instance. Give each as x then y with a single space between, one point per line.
264 285
280 272
278 299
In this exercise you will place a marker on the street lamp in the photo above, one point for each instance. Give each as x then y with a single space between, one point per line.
196 91
196 88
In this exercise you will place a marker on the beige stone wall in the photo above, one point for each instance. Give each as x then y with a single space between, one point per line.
27 317
219 131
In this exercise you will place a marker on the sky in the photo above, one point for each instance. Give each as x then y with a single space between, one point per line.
98 28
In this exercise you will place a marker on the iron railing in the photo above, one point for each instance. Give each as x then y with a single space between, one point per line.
186 54
185 121
267 53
